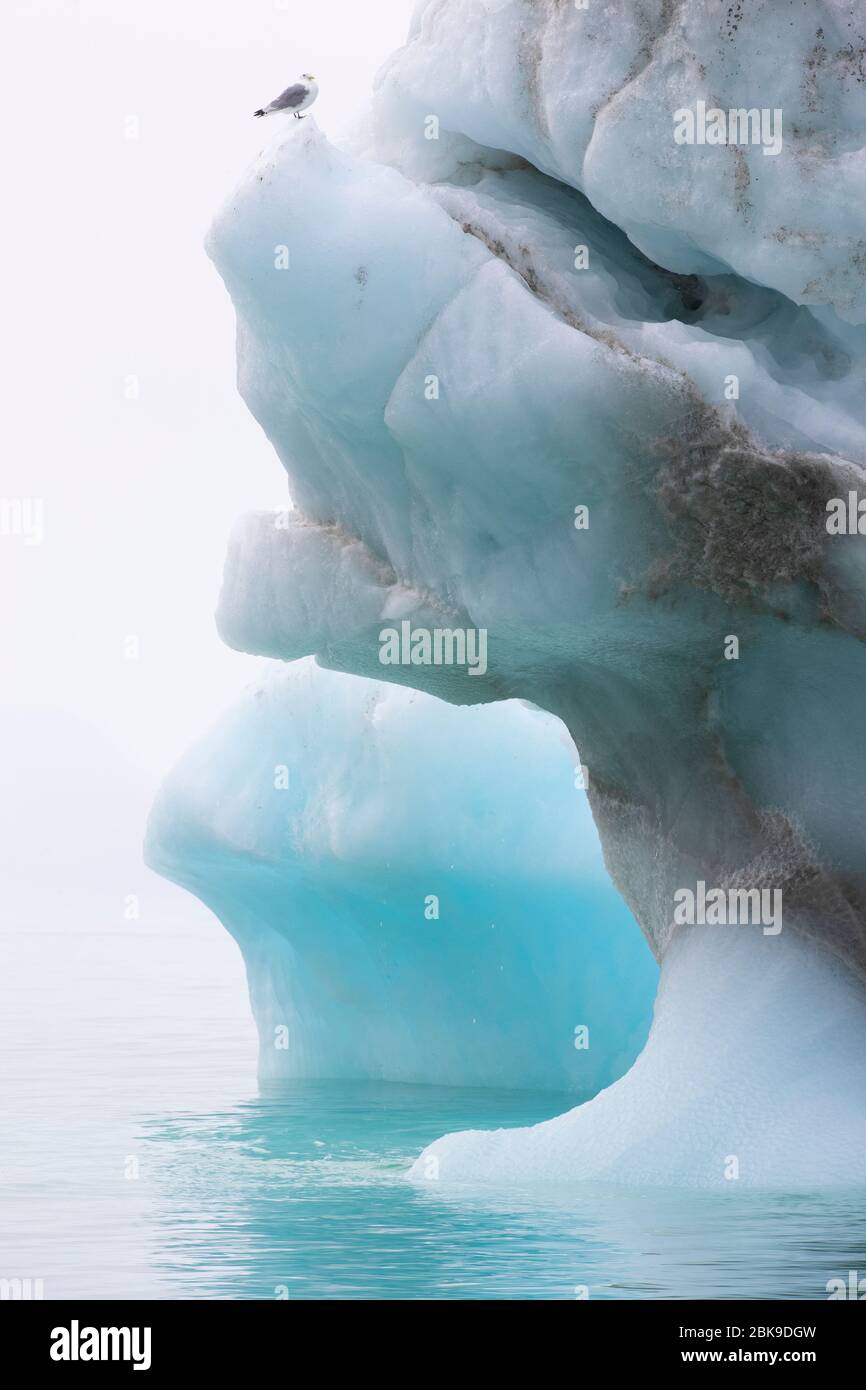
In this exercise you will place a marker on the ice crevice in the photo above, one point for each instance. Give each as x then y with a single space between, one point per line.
447 384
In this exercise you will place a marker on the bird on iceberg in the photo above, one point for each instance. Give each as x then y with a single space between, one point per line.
296 98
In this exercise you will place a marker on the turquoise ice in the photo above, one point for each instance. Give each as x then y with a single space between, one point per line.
400 915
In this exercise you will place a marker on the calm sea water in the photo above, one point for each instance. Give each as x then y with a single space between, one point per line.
139 1158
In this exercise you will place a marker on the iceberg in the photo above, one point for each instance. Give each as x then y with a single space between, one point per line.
537 368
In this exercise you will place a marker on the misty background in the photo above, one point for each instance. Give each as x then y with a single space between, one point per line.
133 122
126 125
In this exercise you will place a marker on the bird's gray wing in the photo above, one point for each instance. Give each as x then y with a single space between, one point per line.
292 96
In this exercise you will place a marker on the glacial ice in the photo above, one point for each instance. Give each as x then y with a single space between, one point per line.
543 309
587 96
400 916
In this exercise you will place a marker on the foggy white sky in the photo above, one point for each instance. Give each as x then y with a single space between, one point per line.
106 279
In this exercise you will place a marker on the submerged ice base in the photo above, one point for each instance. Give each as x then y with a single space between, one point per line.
752 1075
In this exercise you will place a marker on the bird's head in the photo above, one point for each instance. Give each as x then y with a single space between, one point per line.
308 77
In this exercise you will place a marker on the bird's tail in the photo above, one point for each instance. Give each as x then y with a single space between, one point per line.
258 113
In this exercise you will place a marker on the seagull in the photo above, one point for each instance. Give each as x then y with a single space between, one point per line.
296 98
